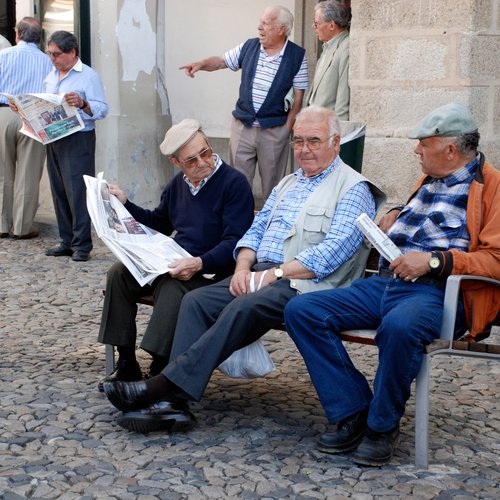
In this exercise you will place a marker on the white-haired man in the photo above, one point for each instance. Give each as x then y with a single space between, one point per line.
263 117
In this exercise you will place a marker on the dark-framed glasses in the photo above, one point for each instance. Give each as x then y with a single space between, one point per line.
53 54
203 155
312 143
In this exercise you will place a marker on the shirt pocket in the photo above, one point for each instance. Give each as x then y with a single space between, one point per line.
438 230
317 223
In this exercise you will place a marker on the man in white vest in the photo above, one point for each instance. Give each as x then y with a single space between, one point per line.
330 87
303 239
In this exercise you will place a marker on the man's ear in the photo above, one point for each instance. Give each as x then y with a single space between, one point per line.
175 161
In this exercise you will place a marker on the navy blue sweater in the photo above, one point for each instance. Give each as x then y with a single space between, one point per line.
207 225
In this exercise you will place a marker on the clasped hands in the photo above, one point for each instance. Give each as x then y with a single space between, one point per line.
241 281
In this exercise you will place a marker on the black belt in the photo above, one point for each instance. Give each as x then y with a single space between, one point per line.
425 280
3 105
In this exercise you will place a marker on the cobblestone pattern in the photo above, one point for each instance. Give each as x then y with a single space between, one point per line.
254 439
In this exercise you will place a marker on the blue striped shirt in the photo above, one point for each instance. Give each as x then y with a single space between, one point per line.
267 67
84 80
341 241
435 218
23 69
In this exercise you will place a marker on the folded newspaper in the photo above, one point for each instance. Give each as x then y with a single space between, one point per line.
382 243
145 252
46 117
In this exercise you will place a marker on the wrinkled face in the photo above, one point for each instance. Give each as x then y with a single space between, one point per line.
195 159
436 155
61 60
325 30
315 153
270 33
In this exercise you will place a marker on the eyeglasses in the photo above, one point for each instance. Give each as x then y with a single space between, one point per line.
192 161
313 143
53 54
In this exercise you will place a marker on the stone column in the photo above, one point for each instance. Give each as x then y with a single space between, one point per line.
410 56
128 51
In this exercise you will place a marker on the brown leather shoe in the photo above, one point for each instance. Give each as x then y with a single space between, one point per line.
28 236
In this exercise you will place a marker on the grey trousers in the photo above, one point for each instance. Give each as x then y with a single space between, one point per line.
212 324
119 312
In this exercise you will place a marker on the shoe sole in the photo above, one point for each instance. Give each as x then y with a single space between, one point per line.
342 449
137 422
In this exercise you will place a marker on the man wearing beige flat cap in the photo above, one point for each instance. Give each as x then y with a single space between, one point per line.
209 206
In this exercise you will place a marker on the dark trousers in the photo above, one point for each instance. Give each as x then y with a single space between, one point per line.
68 159
212 324
118 325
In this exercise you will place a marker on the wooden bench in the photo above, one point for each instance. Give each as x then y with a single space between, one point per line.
445 345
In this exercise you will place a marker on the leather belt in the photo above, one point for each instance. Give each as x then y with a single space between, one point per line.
425 280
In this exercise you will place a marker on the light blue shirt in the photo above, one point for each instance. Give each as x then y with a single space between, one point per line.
266 237
23 69
84 80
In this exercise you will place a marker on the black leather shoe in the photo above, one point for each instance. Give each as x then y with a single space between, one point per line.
4 235
349 433
60 251
376 448
79 256
127 396
125 370
162 416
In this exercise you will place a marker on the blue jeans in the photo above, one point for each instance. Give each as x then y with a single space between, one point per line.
407 316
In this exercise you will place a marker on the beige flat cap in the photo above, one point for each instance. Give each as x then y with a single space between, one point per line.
179 135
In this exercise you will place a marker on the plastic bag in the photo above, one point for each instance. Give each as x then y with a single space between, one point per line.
251 361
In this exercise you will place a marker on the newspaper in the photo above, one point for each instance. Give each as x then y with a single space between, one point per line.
46 117
145 252
383 244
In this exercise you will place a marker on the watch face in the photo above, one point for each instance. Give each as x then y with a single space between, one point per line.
278 273
434 263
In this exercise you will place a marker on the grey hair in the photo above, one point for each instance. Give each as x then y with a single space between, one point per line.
29 30
320 114
335 10
284 18
467 144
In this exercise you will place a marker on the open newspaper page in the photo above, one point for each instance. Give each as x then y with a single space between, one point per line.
46 117
145 252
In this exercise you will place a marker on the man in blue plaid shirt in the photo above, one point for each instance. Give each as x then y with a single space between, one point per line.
304 239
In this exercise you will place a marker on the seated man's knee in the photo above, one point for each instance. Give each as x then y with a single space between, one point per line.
116 271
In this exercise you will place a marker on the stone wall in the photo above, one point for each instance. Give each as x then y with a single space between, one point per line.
410 56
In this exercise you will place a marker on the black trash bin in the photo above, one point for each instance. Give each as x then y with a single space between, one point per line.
352 144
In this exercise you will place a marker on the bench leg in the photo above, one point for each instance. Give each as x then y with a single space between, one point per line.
110 358
422 414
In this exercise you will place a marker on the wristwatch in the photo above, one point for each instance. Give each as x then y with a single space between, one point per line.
434 263
278 272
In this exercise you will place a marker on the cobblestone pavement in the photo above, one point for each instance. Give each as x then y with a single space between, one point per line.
254 439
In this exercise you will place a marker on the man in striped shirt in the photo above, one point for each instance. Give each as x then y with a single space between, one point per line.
273 68
23 69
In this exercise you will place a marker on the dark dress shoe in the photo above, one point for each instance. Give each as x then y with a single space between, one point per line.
4 235
162 416
60 251
347 436
27 236
79 256
127 396
376 448
126 370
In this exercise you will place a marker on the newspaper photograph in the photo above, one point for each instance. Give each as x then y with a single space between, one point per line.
145 252
46 117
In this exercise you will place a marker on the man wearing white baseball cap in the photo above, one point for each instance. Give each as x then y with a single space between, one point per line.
209 206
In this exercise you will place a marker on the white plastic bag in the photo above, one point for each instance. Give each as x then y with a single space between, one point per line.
251 361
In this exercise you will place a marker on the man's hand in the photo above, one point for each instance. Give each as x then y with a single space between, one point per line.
388 220
412 265
115 190
74 99
240 283
184 269
191 68
13 107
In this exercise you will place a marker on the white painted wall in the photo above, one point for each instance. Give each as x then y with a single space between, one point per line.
198 29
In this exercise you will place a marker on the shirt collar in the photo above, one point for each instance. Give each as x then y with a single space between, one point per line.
330 42
463 173
279 54
196 189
